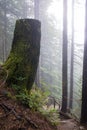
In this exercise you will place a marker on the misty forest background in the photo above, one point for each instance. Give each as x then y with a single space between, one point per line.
49 73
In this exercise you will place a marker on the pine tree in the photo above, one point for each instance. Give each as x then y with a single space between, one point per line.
84 85
64 67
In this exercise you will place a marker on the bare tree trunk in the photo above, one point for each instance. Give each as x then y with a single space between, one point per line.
25 9
72 59
24 56
84 86
64 67
36 14
5 34
36 9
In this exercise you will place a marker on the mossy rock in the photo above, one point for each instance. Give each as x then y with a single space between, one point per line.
24 56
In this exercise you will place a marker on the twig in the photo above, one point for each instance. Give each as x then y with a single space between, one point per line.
12 111
19 117
3 107
31 122
6 115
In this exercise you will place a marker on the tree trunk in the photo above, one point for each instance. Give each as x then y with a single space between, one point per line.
36 15
72 59
84 86
25 9
5 33
36 9
24 56
64 67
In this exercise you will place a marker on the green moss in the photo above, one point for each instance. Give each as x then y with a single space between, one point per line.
23 59
19 70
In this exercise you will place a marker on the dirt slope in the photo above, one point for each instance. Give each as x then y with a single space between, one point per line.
15 116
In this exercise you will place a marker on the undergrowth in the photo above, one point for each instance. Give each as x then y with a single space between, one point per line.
36 99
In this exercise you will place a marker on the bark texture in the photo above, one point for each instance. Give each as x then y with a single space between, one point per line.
24 56
84 84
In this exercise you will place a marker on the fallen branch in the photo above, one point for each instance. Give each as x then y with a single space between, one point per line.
31 122
1 105
12 110
6 111
19 117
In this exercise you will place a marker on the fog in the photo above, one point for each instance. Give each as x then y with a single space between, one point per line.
50 13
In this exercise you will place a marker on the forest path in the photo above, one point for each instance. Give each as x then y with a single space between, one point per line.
70 124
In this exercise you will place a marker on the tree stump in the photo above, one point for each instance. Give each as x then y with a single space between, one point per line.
24 56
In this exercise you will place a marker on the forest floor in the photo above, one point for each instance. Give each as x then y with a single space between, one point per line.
15 116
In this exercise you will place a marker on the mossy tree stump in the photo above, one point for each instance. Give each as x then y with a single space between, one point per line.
24 56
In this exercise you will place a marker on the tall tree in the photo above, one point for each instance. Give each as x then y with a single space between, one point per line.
10 10
25 9
36 9
4 30
36 15
84 85
64 65
72 59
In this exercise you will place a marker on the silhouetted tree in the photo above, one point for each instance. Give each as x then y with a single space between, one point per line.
25 9
72 59
36 8
36 16
64 67
4 7
84 86
10 10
